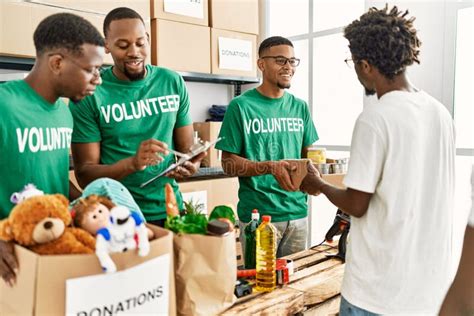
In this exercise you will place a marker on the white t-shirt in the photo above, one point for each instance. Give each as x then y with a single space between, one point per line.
470 220
399 252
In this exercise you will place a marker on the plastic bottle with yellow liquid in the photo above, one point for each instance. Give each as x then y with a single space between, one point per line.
266 256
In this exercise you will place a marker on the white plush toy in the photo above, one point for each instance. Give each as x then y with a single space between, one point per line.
28 191
126 230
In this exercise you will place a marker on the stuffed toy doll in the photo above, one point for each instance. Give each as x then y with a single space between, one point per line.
91 213
124 231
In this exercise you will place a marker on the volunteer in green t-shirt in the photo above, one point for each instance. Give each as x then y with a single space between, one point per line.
261 127
123 130
35 125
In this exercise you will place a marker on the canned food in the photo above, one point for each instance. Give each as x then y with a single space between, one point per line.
323 168
317 154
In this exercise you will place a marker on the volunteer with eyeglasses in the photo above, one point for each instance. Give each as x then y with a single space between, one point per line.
262 127
35 124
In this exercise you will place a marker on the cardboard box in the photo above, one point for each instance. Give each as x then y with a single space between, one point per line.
16 29
180 46
103 6
157 10
221 191
41 281
209 131
240 16
335 179
233 53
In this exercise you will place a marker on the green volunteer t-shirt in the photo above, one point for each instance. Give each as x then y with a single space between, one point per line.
35 137
121 114
259 128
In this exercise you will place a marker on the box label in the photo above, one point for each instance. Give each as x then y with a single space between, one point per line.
143 289
235 54
192 8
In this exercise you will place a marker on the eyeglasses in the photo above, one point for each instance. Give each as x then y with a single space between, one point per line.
350 62
281 60
93 71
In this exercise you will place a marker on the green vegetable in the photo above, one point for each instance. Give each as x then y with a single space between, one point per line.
222 211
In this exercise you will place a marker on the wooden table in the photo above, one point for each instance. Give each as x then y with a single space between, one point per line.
314 288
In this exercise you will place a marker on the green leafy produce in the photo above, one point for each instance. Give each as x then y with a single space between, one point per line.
222 211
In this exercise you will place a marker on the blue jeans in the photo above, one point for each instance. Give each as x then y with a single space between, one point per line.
291 236
347 309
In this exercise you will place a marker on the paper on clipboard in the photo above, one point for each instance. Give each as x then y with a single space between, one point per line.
204 147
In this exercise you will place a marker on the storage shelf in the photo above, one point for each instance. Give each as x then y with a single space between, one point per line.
211 78
19 63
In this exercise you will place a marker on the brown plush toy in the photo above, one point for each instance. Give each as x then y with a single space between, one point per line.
41 224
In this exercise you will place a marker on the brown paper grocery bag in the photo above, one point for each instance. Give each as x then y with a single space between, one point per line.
205 270
298 170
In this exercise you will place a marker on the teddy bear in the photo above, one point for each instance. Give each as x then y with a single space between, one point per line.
40 223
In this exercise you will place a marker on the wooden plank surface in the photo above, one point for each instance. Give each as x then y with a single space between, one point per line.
329 307
321 286
283 301
314 287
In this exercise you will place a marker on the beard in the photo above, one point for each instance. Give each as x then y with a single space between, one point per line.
134 76
282 86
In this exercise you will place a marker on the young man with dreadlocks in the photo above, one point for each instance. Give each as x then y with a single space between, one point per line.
400 180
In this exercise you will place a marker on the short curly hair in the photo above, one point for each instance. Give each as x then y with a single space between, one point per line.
386 39
119 14
67 31
273 41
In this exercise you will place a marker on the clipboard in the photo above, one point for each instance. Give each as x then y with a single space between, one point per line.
200 148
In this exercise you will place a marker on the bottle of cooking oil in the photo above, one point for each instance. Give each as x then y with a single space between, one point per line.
266 256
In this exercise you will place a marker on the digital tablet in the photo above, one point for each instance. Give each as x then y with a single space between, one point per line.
195 150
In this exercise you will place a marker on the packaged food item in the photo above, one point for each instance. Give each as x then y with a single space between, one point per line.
317 154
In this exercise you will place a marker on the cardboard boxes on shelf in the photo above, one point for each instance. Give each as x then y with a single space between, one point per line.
209 131
222 191
240 16
103 6
233 53
43 282
180 46
193 12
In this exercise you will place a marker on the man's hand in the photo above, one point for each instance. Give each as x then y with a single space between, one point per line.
8 263
148 154
188 168
281 171
312 182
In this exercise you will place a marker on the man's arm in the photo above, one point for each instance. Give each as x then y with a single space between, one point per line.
460 297
235 165
8 263
74 193
350 201
87 165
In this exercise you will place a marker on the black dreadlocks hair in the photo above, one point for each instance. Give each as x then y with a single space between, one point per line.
386 39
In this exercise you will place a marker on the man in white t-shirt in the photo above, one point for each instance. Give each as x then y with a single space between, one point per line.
400 180
460 298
